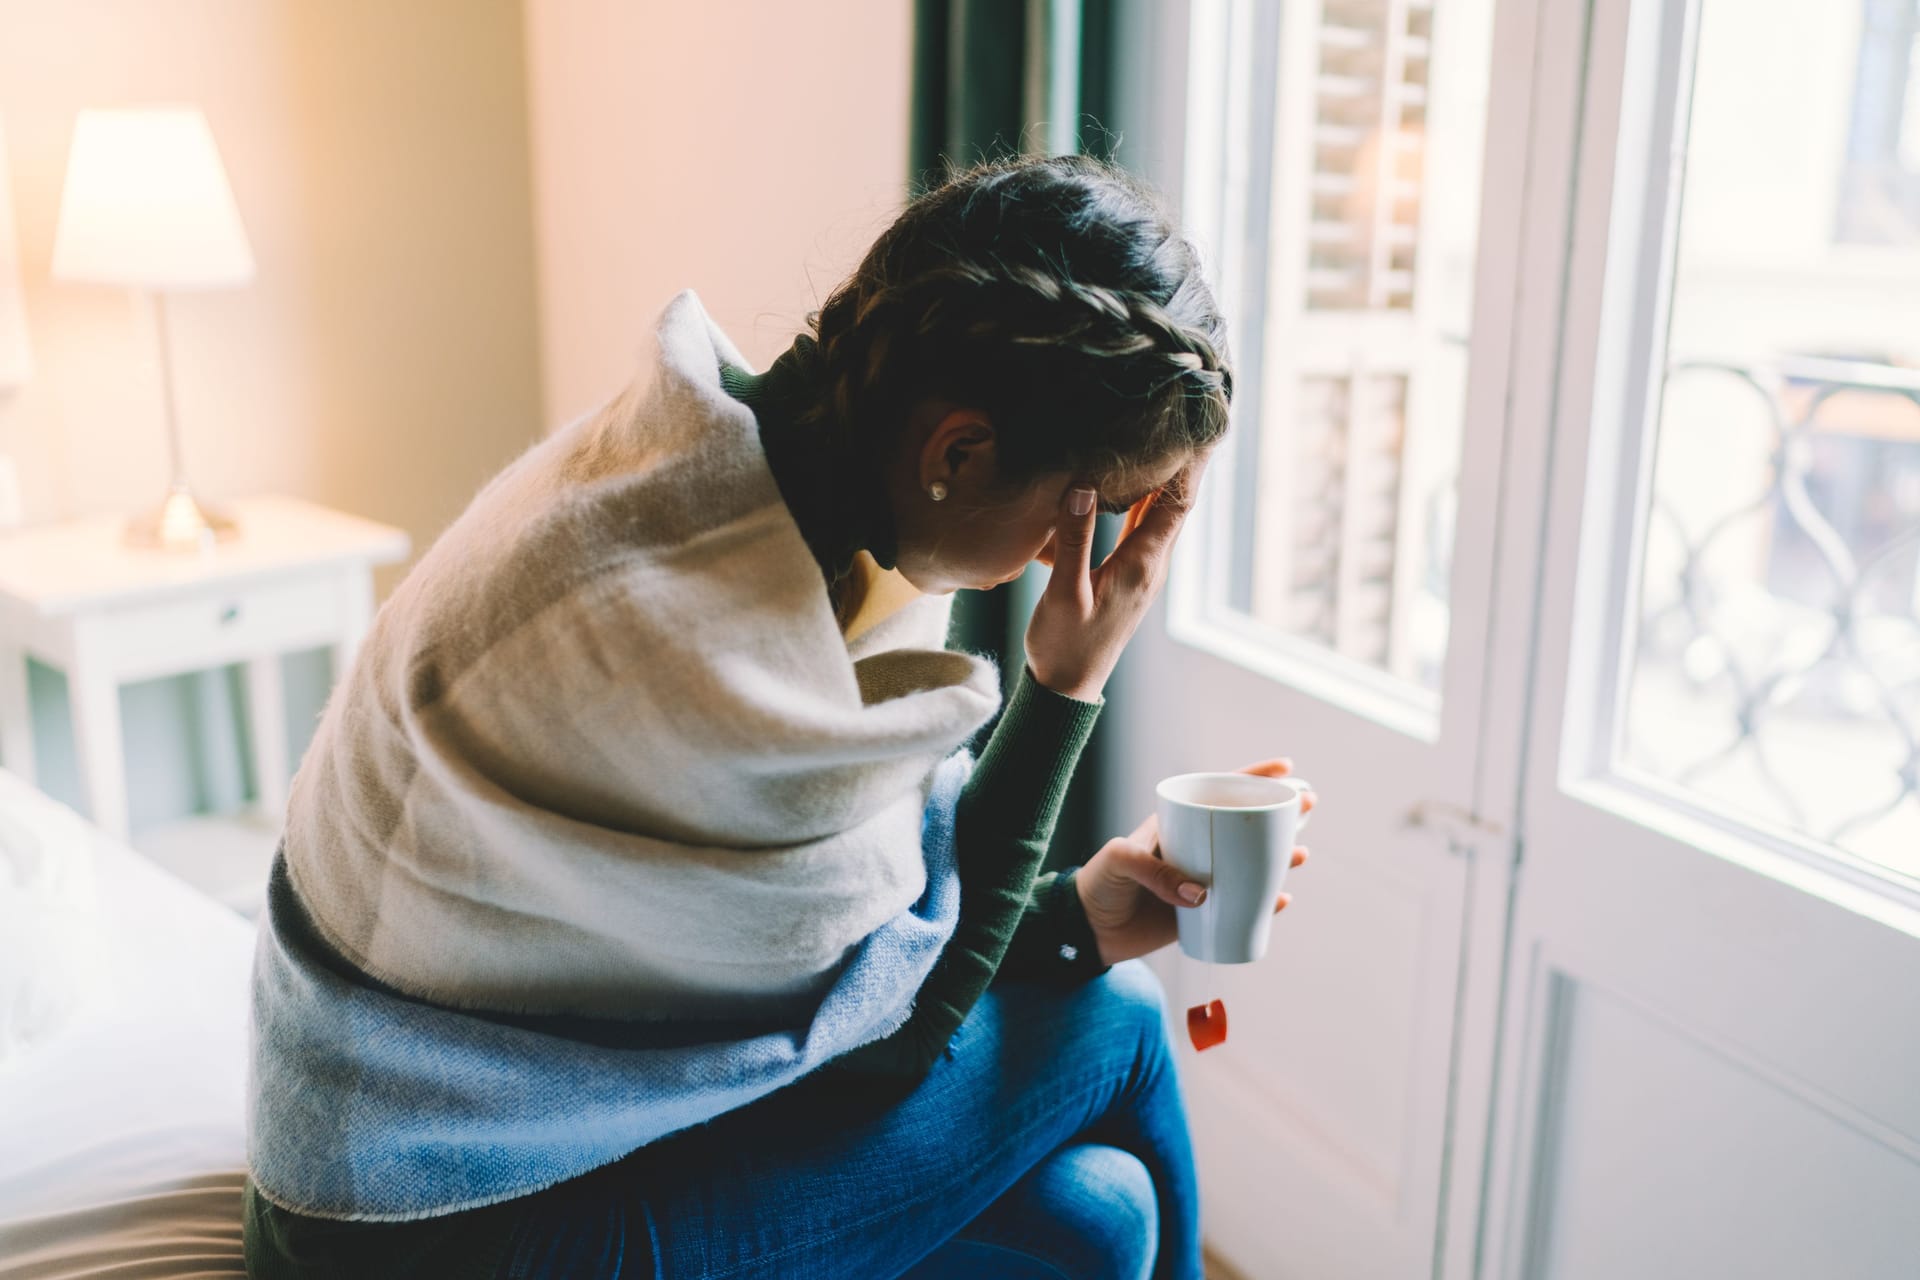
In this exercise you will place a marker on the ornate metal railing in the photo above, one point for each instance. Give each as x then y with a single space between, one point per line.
1793 616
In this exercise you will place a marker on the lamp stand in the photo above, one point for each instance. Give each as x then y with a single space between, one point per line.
181 522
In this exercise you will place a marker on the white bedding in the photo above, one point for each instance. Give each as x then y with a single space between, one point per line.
122 1139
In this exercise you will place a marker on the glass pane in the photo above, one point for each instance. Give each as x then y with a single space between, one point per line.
1777 663
1380 115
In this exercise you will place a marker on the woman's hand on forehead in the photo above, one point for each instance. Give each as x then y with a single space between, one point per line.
1143 488
1087 613
1176 495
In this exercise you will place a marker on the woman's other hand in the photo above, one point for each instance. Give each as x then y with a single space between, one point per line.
1087 614
1130 893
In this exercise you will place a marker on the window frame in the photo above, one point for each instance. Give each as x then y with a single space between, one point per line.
1618 395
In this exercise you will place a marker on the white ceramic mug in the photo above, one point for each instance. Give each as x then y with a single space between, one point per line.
1234 833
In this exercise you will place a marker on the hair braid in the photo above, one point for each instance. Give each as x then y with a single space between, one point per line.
969 296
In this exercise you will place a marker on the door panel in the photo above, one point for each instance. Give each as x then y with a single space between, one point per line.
1722 1164
1703 1061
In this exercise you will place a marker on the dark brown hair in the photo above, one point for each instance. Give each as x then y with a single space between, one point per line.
1053 294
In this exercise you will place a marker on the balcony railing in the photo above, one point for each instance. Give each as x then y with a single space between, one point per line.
1778 649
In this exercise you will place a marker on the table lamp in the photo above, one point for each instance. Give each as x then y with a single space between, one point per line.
147 206
16 359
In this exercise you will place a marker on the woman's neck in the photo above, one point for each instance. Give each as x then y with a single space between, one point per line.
834 488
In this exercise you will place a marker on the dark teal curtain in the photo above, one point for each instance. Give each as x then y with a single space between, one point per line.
994 78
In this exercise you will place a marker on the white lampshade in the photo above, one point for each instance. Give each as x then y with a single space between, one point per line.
147 204
16 358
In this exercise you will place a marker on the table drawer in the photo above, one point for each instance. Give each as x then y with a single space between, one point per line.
230 625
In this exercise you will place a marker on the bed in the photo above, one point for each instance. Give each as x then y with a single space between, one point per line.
122 1138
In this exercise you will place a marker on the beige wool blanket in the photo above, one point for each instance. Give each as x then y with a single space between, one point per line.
606 750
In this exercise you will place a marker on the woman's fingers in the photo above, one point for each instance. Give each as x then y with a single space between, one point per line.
1299 859
1073 545
1084 619
1162 879
1135 514
1277 767
1151 534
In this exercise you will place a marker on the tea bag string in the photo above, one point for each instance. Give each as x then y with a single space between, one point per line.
1212 906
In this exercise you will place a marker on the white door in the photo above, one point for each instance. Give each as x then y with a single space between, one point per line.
1711 1064
1570 542
1354 173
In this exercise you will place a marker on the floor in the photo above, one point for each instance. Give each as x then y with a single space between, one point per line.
225 857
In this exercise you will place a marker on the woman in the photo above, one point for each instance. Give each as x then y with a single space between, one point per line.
637 914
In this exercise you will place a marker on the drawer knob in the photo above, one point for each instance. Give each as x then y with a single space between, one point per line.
230 615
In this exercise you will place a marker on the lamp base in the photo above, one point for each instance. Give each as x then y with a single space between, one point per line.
180 523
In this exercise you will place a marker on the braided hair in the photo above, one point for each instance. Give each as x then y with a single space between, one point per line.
1052 294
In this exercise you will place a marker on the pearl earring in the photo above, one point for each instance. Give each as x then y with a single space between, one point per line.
937 491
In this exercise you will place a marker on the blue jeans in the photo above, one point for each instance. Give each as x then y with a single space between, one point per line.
1050 1141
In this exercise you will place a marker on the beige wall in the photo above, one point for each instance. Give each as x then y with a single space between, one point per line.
385 358
746 149
388 357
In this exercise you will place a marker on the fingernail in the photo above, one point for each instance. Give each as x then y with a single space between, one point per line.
1080 501
1196 894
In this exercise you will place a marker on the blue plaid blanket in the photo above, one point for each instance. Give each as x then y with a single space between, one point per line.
368 1104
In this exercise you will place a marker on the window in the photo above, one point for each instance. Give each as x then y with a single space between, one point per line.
1775 664
1349 249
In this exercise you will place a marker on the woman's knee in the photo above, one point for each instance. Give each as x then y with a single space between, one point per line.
1128 1002
1088 1211
1133 983
1105 1197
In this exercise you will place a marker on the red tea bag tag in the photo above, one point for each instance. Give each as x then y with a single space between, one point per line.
1207 1025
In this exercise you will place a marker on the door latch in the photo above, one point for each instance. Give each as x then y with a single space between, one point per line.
1462 828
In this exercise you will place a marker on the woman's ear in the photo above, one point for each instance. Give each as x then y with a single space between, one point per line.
959 453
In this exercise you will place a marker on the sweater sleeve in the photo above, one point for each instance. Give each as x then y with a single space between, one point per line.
1053 942
1002 826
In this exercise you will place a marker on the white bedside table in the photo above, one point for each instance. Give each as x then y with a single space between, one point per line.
74 596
